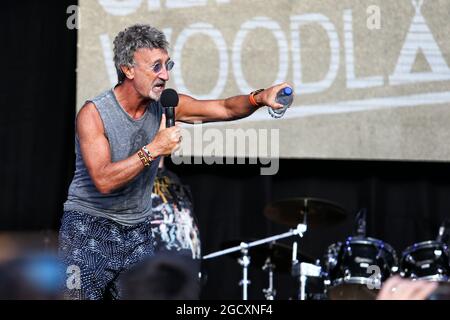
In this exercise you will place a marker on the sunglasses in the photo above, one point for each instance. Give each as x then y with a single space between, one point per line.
157 67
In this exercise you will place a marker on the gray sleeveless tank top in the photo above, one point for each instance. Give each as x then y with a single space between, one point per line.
132 203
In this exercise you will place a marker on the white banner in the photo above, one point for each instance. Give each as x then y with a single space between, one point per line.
372 78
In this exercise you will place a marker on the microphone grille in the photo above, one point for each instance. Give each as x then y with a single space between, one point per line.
169 98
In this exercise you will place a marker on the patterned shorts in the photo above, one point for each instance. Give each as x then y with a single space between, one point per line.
100 249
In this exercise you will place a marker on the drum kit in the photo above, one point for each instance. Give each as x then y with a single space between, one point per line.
353 269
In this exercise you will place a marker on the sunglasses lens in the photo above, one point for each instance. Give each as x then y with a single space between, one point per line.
157 68
170 65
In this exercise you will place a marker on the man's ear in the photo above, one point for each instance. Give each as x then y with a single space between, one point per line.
128 71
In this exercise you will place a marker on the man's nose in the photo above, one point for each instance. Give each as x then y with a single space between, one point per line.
164 75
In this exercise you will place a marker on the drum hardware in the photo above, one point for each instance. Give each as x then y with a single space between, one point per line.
428 260
244 249
270 292
312 212
443 234
360 223
303 272
244 262
356 268
296 272
300 213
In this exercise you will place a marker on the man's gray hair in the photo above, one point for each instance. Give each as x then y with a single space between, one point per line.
133 38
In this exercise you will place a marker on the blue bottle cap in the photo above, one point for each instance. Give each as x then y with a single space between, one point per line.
287 91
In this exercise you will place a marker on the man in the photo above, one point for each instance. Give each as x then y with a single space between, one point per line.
120 136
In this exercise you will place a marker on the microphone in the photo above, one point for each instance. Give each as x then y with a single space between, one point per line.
169 100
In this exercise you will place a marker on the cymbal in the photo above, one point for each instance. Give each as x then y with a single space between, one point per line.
280 255
291 212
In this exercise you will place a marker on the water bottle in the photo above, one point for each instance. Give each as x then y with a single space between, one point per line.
284 97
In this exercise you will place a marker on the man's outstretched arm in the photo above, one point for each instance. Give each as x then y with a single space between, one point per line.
191 110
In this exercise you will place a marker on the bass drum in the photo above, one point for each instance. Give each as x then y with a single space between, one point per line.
427 260
356 268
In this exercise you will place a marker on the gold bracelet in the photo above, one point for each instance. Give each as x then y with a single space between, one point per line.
143 158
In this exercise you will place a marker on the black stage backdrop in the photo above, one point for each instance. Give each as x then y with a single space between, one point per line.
37 97
406 201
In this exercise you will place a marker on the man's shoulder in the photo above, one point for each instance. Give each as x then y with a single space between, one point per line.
93 102
92 105
89 116
88 108
107 94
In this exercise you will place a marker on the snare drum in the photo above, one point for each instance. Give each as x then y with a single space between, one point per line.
427 260
356 268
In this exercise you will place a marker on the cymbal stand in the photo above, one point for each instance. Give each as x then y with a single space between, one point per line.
303 270
244 261
270 292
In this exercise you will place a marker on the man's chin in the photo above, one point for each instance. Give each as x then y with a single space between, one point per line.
155 94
